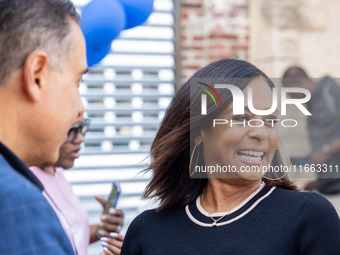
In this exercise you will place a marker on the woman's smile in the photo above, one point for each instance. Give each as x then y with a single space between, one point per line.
252 156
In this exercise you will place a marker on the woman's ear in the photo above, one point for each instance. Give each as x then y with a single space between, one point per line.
198 139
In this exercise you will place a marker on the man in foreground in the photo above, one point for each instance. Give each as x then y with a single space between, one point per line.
42 61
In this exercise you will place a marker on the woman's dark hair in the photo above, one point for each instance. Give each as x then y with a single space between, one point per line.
172 146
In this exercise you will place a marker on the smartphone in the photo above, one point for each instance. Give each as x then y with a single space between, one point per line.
112 201
113 198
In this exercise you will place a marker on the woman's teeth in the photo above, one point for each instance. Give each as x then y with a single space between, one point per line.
251 155
255 153
256 159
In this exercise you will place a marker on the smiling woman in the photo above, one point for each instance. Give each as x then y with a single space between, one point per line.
240 212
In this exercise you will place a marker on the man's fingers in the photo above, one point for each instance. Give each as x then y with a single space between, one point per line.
100 200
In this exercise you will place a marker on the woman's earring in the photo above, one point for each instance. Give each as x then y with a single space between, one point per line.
192 155
275 179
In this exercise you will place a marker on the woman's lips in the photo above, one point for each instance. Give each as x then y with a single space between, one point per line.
75 154
250 158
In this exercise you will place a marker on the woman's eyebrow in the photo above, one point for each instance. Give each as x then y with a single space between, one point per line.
246 108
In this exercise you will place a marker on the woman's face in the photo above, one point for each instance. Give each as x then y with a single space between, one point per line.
239 146
69 151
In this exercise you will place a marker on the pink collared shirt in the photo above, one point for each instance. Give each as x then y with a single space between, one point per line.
68 207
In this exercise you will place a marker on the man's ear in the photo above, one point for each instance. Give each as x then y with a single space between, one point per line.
35 72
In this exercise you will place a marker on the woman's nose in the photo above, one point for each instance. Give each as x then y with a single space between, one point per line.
79 139
258 133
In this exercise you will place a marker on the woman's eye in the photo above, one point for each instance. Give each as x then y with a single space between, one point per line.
271 120
241 118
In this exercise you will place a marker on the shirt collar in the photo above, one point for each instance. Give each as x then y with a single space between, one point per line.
19 166
199 216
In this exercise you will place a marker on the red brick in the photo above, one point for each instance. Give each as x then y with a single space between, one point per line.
223 36
239 47
191 5
227 38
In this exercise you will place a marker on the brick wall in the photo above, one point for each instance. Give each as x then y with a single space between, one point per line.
211 30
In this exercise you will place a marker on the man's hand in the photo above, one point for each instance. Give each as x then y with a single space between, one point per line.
112 222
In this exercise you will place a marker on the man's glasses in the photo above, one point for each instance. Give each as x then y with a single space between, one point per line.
77 129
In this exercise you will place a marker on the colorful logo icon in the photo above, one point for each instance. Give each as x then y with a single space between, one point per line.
207 91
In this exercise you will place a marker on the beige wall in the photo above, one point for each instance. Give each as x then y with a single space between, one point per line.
295 32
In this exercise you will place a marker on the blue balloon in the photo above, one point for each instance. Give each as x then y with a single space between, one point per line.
136 11
102 21
96 54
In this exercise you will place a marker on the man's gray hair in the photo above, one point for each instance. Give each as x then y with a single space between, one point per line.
28 25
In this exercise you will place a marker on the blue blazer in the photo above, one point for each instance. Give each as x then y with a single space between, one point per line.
28 224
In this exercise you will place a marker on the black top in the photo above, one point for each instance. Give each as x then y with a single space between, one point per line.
271 221
19 166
